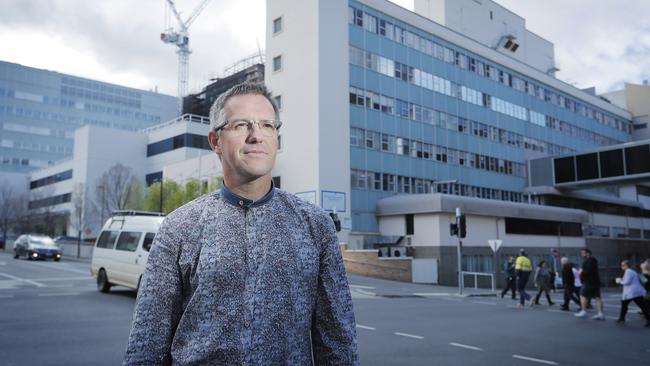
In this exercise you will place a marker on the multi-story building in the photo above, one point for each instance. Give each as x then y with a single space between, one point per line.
40 110
456 98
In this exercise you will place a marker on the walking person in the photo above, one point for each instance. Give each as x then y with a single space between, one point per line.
569 284
523 267
644 276
632 291
542 281
590 286
511 279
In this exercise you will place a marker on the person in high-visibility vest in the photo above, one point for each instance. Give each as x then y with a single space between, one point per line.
523 267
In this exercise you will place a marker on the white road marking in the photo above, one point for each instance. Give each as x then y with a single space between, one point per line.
484 302
6 296
465 346
37 284
535 360
431 294
3 263
365 327
364 287
63 279
409 335
364 292
60 294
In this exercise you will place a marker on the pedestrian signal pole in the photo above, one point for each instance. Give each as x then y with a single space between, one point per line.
459 230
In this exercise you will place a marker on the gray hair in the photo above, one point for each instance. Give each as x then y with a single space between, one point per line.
217 112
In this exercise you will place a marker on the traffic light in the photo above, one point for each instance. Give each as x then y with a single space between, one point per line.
462 226
337 222
453 229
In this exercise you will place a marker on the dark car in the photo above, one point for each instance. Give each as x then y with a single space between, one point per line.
37 246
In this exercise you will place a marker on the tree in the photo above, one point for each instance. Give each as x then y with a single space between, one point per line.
174 195
78 215
6 212
116 189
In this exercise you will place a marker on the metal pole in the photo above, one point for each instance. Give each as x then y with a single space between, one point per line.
459 254
160 201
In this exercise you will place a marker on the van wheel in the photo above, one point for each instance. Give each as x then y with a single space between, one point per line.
16 255
29 255
102 282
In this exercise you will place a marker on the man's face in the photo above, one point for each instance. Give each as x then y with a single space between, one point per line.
584 254
249 156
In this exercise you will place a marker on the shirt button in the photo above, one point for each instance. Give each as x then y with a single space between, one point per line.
241 203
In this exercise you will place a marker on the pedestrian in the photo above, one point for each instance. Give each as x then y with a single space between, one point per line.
590 285
632 291
551 281
569 283
247 274
523 267
644 276
542 281
511 278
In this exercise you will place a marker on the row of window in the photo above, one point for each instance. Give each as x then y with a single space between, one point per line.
376 181
43 131
396 145
35 146
55 178
100 97
93 85
435 83
177 142
71 104
615 232
16 161
395 33
50 201
437 118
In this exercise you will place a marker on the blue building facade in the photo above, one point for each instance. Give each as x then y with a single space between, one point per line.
40 109
424 110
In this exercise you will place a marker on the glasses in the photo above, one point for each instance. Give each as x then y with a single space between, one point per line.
268 127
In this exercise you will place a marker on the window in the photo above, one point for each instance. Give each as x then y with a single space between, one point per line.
277 25
148 239
107 239
277 63
409 225
128 241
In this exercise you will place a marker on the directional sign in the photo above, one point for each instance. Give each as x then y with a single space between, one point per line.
495 244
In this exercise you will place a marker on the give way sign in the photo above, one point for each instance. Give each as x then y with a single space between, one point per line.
495 244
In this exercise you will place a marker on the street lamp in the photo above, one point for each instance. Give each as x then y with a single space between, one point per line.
160 199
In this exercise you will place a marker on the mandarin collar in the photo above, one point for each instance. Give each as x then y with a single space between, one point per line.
243 202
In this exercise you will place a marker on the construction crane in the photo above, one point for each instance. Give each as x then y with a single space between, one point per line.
181 39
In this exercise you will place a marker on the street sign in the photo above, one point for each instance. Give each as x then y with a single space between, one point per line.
555 252
495 244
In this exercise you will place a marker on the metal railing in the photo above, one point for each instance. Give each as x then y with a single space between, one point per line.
476 276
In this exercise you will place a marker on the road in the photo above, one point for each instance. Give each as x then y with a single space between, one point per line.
52 314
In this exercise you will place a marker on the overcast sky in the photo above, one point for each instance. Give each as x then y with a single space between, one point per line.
598 43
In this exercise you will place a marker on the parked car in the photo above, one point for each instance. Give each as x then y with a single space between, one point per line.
37 246
122 248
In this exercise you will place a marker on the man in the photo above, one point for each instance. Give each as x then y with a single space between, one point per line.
568 282
249 274
523 267
511 278
590 286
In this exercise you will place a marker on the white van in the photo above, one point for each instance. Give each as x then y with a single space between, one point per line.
122 248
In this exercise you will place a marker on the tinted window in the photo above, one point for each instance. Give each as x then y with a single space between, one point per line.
564 170
611 163
107 239
148 240
128 241
637 160
587 166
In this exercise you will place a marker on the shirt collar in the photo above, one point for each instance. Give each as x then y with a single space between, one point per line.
239 201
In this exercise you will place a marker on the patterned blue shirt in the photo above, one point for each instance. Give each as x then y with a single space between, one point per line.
232 281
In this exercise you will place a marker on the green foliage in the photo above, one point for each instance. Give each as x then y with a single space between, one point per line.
175 195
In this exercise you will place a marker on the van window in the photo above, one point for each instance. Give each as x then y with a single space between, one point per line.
107 239
148 240
128 241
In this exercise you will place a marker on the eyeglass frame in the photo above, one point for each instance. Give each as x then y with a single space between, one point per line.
276 122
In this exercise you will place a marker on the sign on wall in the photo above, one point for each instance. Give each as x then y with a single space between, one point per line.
331 200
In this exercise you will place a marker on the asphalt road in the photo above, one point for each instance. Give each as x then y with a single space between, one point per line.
52 314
